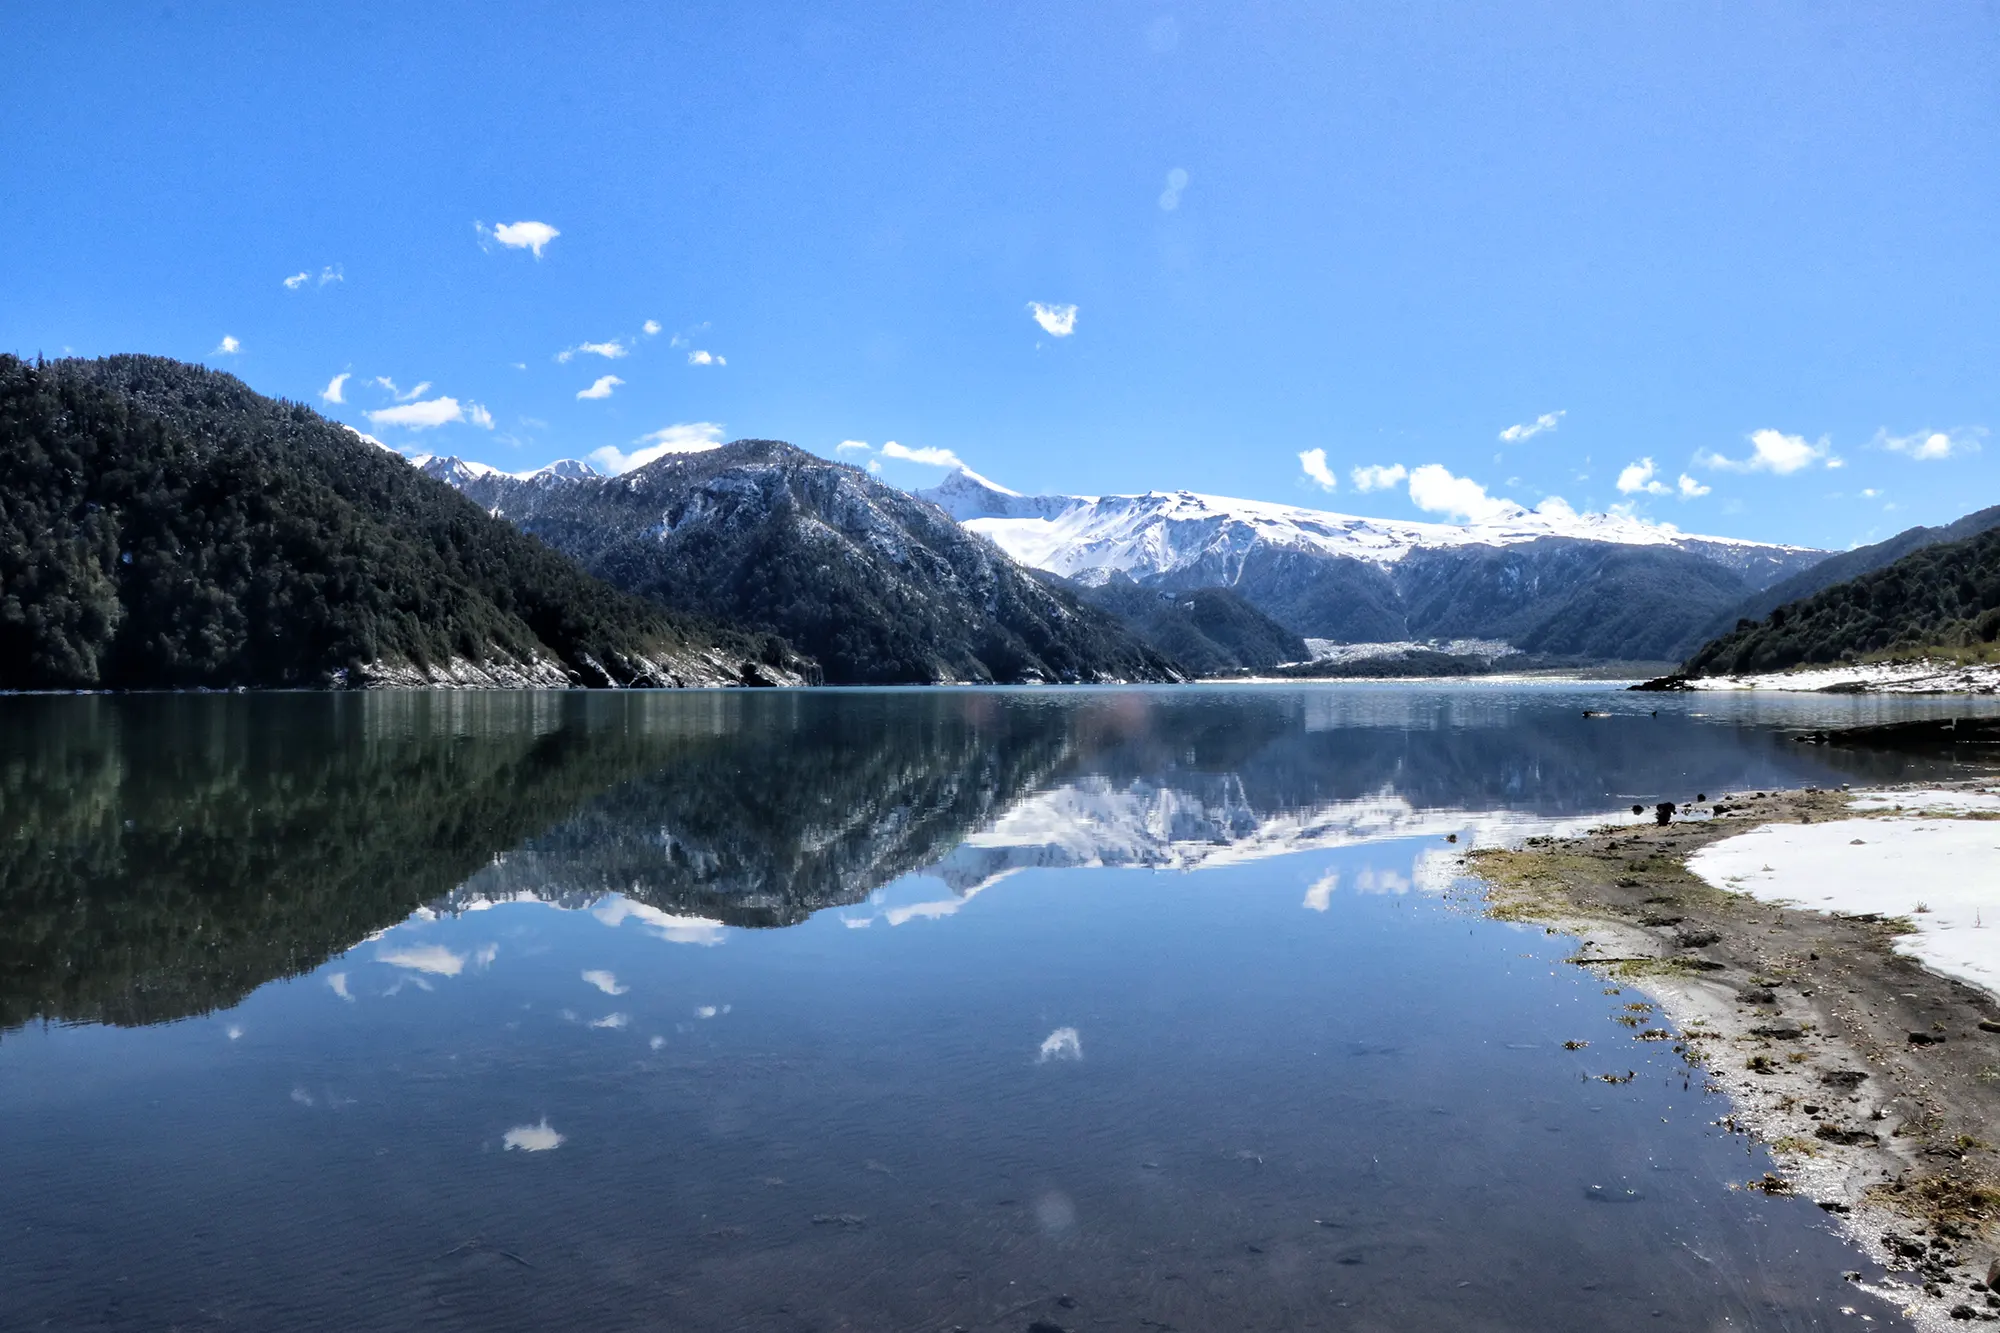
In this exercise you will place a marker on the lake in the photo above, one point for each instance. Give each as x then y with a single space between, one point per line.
927 1009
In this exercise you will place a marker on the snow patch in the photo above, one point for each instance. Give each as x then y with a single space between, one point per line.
1942 875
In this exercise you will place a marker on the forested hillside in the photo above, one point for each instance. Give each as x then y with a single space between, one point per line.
1852 565
881 588
1208 631
1941 597
161 525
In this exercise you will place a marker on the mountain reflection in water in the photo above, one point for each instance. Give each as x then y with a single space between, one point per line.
163 856
893 1009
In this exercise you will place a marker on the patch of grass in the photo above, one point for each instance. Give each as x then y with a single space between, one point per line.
1792 1143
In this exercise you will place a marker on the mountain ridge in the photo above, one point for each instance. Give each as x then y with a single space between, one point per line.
164 526
1603 586
880 586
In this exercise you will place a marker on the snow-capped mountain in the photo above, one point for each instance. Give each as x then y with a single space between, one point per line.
1160 533
879 587
1547 580
459 472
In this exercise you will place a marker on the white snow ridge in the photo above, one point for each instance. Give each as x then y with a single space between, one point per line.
1088 537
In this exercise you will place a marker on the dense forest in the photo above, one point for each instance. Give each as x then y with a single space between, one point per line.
1940 597
1208 631
1851 565
879 587
161 525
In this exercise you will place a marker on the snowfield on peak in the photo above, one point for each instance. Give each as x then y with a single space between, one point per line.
1089 538
458 471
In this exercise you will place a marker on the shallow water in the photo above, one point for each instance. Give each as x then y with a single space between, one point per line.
1107 1009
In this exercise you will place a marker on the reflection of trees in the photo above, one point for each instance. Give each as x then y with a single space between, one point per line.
162 856
766 825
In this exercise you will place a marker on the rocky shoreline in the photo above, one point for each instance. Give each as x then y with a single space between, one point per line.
1874 1082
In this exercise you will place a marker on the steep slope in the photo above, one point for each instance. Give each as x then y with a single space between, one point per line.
1852 565
1939 597
1548 580
1207 630
882 588
1567 598
161 525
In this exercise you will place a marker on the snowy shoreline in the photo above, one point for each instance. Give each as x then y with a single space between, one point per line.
1920 677
1925 859
1823 958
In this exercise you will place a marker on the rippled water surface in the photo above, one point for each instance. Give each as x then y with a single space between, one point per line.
857 1010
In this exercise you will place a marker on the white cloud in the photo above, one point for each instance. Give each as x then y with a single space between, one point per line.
532 1138
651 326
433 958
297 280
601 387
401 397
1170 198
1313 463
1379 478
1870 493
1435 490
336 388
1931 445
701 358
1062 1044
332 273
610 351
692 437
1638 479
612 1021
520 235
227 347
1528 430
1319 896
605 981
337 981
1058 321
851 447
419 416
929 455
1771 451
478 416
1692 489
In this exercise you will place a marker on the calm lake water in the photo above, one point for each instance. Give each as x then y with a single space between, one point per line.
1146 1009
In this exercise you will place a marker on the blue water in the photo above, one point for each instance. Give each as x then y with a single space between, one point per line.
871 1009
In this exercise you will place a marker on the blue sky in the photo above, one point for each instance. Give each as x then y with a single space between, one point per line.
1754 245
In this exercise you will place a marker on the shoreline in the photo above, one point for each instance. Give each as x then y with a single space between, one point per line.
1912 676
1873 1081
